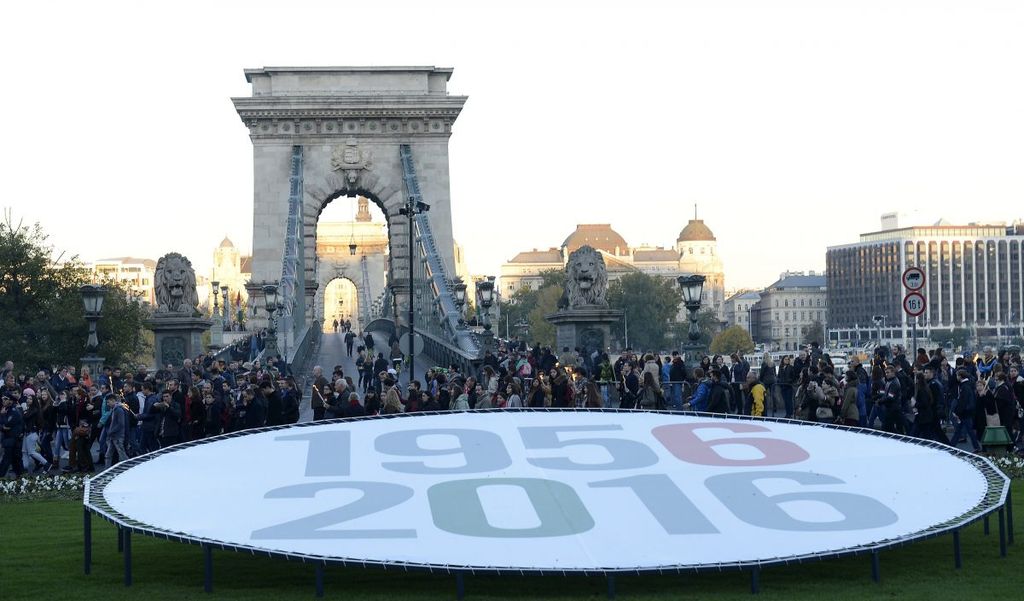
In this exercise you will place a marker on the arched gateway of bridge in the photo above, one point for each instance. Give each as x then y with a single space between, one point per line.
323 133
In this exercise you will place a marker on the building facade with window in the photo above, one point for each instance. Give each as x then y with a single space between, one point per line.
974 279
136 273
738 307
787 310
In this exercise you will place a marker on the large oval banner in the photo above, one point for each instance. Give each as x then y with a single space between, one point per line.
549 491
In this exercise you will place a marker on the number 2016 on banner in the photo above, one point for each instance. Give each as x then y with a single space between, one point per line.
456 506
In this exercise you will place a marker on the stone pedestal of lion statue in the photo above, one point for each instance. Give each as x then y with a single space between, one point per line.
176 322
583 319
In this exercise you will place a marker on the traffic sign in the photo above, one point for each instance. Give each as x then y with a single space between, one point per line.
913 304
417 344
913 278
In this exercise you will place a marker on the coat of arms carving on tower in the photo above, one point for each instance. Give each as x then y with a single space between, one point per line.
350 159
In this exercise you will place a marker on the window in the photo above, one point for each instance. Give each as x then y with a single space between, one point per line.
787 302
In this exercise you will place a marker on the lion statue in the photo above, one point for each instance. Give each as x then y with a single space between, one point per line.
586 279
175 285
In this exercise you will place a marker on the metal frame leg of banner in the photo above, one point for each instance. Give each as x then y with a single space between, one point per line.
1002 532
120 539
876 567
460 586
1009 516
87 541
986 525
126 546
319 577
957 561
755 580
208 568
611 586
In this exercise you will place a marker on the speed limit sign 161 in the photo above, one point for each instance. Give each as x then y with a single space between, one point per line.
913 304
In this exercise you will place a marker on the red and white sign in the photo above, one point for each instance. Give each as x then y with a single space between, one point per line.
913 279
913 304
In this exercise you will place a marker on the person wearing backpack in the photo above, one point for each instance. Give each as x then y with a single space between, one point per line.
651 396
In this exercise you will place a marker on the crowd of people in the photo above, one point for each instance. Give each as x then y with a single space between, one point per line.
129 413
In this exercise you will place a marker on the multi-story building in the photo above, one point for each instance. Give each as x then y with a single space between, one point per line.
738 307
695 252
974 279
137 273
788 308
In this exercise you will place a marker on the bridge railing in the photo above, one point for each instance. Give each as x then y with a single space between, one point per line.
291 314
446 337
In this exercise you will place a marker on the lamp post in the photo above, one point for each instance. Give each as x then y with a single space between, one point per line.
92 304
227 303
692 287
217 329
270 303
460 297
485 292
413 207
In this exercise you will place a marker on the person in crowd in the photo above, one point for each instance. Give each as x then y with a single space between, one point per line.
963 410
849 413
756 394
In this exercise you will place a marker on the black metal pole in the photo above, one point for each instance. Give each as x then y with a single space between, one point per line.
986 524
126 536
957 561
611 586
87 541
1009 516
876 568
412 314
1002 533
755 580
319 580
120 540
208 568
460 587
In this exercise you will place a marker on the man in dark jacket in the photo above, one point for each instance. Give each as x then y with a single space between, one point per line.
168 412
963 409
12 427
719 397
677 375
117 430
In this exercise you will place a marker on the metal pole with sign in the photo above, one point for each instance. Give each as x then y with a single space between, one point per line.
913 303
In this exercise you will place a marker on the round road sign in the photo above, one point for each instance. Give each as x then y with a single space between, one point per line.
913 278
913 304
417 344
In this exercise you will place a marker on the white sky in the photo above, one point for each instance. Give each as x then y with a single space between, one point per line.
793 125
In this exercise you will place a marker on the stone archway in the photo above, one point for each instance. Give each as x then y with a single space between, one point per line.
350 122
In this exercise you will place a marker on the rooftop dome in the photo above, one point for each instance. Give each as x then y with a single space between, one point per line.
226 243
696 231
599 235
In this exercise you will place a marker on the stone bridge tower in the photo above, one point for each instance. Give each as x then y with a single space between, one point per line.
350 122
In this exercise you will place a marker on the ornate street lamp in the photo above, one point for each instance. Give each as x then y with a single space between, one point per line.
216 291
692 287
485 290
227 303
270 303
92 304
459 287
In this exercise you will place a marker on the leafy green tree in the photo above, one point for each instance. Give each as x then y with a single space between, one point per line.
41 314
814 333
522 303
956 338
649 303
547 303
734 339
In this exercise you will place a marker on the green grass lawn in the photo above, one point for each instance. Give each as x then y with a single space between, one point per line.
41 559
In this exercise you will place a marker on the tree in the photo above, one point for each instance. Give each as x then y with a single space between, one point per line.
814 333
41 314
541 331
955 338
649 304
522 302
734 339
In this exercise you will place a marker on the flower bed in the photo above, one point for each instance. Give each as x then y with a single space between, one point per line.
1011 465
43 486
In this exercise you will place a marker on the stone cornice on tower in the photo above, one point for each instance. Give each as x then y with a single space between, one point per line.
405 101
